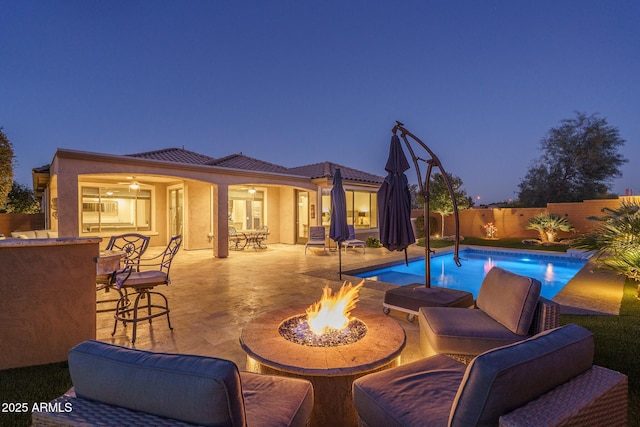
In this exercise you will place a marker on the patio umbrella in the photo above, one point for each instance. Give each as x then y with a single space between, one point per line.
394 202
338 230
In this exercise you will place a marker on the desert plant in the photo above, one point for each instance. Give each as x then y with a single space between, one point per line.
616 240
373 242
548 226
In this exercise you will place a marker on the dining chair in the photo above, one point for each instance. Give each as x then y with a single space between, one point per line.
141 282
237 239
261 235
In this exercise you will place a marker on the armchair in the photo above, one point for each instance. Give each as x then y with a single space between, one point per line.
114 385
508 309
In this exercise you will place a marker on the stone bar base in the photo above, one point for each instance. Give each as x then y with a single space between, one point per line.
47 298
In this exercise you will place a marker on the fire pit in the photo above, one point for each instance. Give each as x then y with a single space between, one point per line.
278 343
328 322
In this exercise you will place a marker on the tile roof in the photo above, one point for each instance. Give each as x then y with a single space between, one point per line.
240 161
243 162
179 155
327 169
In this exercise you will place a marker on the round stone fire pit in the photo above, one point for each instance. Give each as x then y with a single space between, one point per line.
331 369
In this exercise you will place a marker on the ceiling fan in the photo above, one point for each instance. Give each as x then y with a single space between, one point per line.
133 183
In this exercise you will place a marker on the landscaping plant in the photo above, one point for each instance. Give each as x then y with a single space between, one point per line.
616 240
548 226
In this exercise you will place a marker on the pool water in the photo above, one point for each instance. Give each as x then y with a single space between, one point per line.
553 271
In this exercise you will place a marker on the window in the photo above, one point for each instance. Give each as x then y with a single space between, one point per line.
246 208
115 209
362 208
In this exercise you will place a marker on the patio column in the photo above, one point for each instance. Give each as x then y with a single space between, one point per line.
221 221
68 216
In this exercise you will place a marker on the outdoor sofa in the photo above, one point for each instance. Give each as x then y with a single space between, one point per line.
114 385
34 234
546 380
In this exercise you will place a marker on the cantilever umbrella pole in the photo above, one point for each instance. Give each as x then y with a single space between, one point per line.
424 188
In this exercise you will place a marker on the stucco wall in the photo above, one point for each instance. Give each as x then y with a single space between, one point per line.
199 216
48 303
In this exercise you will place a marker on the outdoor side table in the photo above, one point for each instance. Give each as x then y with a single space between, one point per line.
410 298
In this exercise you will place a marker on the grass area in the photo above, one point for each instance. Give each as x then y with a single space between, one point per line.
512 243
617 341
30 385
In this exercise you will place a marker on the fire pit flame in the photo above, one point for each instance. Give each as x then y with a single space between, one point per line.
333 311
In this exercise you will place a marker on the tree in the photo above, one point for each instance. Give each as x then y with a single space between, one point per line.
579 159
616 240
6 167
21 200
440 200
548 225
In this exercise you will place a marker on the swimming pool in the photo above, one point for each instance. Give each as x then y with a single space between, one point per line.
553 270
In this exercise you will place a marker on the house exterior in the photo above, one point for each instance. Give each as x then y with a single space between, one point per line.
176 191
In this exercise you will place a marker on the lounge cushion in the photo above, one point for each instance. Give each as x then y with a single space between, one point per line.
447 330
419 393
272 400
196 389
509 298
503 379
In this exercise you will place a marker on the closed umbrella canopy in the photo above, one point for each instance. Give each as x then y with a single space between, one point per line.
394 201
338 230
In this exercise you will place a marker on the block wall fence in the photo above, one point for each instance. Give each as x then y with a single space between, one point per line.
511 222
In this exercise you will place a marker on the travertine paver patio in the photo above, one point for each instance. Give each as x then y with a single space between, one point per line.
211 299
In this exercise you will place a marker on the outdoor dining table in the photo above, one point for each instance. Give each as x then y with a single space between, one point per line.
107 263
250 237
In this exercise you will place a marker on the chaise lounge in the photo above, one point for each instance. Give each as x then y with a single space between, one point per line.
115 385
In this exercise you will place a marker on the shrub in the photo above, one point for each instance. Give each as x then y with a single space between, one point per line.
373 242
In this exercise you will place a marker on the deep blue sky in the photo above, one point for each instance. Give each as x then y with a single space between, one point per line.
298 82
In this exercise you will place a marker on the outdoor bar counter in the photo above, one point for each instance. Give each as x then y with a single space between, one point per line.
47 298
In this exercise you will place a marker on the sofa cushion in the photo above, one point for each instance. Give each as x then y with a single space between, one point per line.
509 298
419 393
196 389
42 234
275 400
52 234
30 234
449 330
503 379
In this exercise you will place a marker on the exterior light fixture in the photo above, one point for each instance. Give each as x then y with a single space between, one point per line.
134 186
252 190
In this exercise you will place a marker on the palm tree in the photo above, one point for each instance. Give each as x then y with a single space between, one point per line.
548 226
616 240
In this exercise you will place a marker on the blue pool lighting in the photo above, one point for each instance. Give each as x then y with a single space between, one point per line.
552 270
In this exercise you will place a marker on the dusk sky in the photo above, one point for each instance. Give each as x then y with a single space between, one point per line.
300 82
